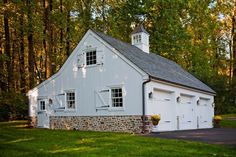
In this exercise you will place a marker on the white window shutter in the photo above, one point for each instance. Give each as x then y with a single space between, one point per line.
102 97
81 60
100 57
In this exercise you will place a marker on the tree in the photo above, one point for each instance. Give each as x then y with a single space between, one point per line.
31 56
22 52
8 49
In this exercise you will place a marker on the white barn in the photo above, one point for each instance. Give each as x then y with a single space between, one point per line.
110 85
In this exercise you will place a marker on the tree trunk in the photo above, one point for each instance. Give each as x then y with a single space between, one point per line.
50 53
61 29
103 16
13 63
68 34
22 56
8 50
234 44
45 5
30 45
3 86
234 56
230 61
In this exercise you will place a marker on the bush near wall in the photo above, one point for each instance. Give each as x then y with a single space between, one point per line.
13 106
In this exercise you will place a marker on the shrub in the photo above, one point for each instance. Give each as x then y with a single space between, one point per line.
13 106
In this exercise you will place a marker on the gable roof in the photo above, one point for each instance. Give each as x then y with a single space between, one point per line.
139 29
155 66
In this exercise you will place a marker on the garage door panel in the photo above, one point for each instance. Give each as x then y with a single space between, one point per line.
163 103
204 108
186 113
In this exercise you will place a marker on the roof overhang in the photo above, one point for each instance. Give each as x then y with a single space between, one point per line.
181 86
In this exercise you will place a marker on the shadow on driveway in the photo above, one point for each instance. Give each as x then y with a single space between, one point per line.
224 136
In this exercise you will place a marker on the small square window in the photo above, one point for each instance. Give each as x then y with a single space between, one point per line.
117 97
91 58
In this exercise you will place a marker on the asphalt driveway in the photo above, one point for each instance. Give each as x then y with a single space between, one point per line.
224 136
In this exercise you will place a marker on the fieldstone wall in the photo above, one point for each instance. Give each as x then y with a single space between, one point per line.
32 121
132 124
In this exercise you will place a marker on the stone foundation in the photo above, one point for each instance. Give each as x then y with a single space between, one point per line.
132 124
32 121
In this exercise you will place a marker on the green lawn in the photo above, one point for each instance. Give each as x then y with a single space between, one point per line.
227 122
228 115
16 140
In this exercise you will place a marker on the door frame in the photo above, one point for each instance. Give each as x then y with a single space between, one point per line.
42 113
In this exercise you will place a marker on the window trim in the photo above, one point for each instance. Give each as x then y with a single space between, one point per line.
66 105
39 105
137 38
112 108
96 61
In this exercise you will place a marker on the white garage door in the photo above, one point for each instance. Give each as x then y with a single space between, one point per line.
186 113
204 111
163 105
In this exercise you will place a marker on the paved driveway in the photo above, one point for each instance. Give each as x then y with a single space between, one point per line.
226 136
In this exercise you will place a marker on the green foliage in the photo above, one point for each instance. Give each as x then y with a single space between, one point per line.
16 140
187 32
13 106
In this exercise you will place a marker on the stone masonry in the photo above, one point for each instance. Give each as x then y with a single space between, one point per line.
132 124
32 121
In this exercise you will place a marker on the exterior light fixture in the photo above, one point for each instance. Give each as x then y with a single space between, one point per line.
150 95
198 102
178 99
213 104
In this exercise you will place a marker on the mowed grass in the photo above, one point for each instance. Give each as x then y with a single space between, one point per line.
17 140
228 121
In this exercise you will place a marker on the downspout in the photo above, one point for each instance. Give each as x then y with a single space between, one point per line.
144 118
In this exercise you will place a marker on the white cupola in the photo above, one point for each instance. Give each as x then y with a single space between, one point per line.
140 38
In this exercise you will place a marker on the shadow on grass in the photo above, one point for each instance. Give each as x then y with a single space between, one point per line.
16 140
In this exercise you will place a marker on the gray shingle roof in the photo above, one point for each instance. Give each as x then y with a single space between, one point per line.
156 66
139 29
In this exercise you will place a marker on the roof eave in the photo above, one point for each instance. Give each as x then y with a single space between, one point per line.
178 84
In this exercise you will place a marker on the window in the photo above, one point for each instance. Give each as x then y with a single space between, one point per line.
116 96
137 38
91 58
42 105
70 99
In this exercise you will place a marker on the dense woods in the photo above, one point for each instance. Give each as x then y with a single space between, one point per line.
36 37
